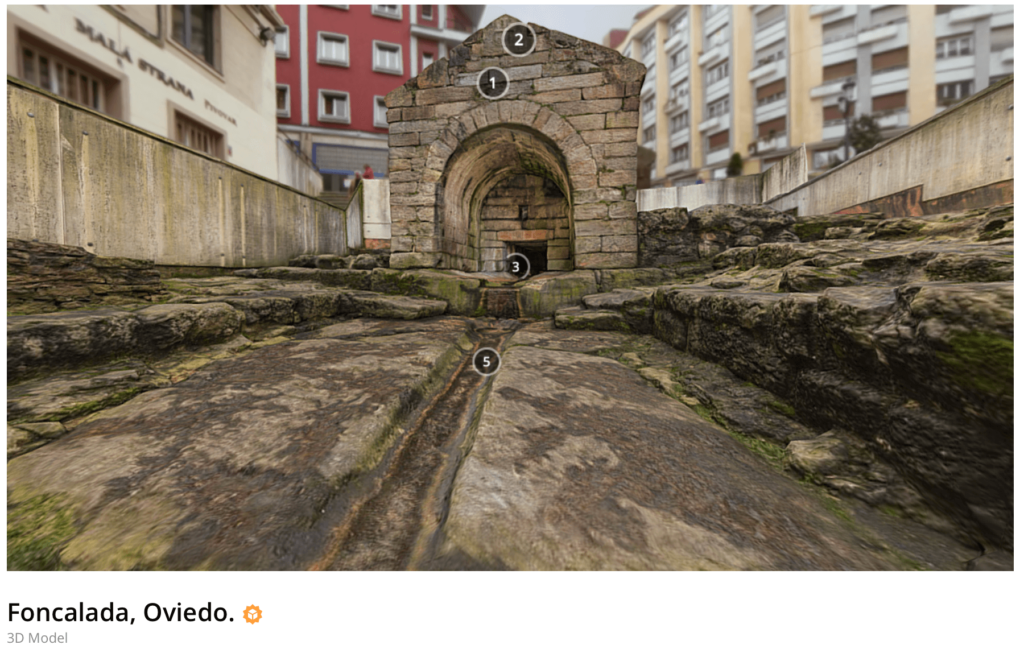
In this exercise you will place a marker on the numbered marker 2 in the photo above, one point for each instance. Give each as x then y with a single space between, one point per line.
486 361
519 39
518 265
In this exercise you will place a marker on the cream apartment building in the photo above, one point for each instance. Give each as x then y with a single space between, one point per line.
202 75
761 80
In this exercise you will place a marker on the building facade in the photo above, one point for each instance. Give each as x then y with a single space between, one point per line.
760 80
199 75
335 64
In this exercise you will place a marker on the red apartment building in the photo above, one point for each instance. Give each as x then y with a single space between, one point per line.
335 64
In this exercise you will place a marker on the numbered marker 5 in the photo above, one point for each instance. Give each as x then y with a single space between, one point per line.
486 361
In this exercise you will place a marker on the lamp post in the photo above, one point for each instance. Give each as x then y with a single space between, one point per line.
845 103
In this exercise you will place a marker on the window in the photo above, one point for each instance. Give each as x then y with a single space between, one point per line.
772 128
387 58
955 47
679 92
427 12
281 45
832 115
192 26
718 108
334 106
332 49
65 79
678 122
677 25
770 15
719 72
899 58
648 46
283 101
887 14
380 112
711 10
428 60
680 153
839 70
771 92
952 93
677 59
769 55
838 30
648 104
190 133
715 38
650 134
889 103
718 141
388 11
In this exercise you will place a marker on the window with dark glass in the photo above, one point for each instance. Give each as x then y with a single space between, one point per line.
192 27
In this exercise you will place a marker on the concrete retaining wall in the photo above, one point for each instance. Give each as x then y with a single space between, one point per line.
784 176
376 211
961 149
76 177
296 170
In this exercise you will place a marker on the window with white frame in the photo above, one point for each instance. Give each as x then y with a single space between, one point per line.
648 105
380 112
648 46
676 59
194 27
677 25
388 11
768 99
650 134
428 60
955 47
718 108
427 12
281 45
715 38
769 16
680 153
953 93
283 101
719 72
332 49
387 58
680 91
769 55
679 122
334 106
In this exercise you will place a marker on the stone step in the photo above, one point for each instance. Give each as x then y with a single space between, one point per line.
582 319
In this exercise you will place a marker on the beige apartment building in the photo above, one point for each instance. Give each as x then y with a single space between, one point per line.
202 75
761 80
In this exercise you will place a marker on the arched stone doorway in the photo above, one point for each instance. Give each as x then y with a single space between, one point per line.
555 157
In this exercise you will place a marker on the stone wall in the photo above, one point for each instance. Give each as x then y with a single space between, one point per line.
43 277
525 210
77 177
570 115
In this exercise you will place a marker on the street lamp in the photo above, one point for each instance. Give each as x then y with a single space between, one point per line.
845 103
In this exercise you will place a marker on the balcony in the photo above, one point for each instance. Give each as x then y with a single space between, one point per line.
831 87
974 12
877 34
1006 56
677 103
718 122
714 54
900 118
821 10
770 68
769 144
455 30
717 156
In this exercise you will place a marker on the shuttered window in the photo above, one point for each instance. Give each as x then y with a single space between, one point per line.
190 133
766 129
832 113
892 59
769 90
838 30
889 102
718 141
839 70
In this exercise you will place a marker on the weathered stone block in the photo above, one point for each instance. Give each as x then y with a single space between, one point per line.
585 212
588 106
550 97
405 260
618 243
606 261
417 113
570 81
517 73
609 136
605 91
592 121
618 178
623 119
558 253
445 94
399 140
605 228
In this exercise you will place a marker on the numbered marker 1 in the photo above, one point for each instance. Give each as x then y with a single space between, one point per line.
486 361
492 83
518 265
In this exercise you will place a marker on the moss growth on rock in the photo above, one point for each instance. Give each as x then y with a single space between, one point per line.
37 530
981 361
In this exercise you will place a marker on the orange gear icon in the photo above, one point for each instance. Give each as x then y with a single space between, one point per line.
252 614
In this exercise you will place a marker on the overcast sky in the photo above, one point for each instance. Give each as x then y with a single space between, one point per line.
589 21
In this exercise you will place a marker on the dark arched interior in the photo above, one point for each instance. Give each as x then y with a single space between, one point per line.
512 159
